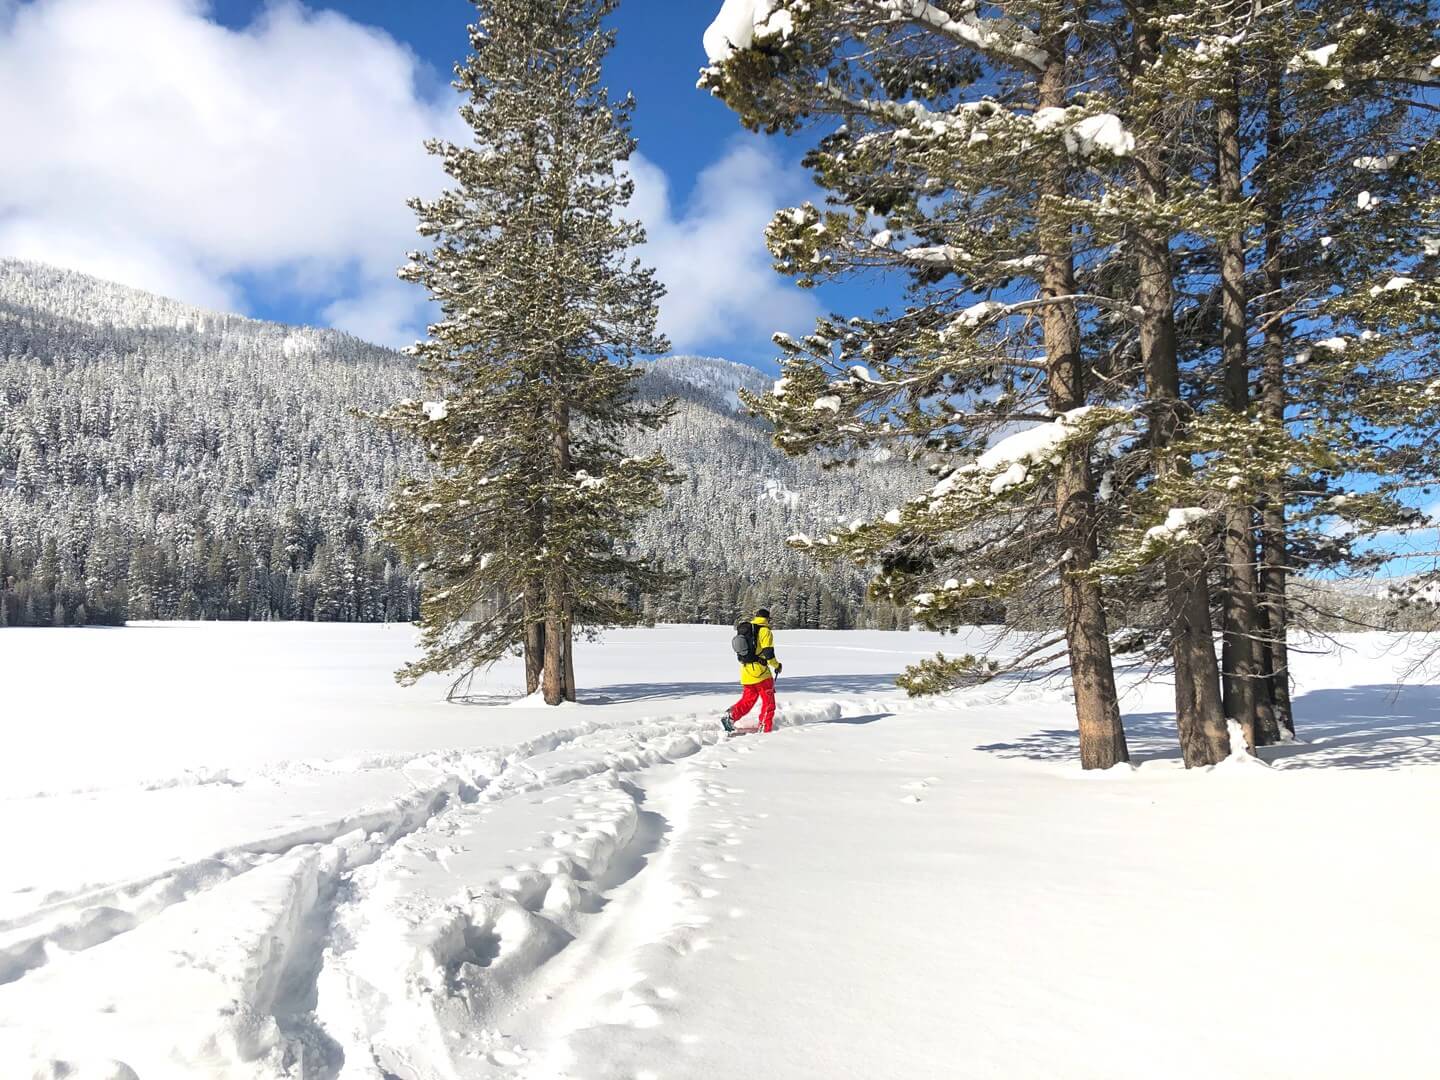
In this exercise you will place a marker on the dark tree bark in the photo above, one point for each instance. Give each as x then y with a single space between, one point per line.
569 658
534 601
1245 703
1274 560
534 640
1199 713
1097 708
557 643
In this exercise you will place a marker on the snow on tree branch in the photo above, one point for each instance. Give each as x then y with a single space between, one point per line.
1002 37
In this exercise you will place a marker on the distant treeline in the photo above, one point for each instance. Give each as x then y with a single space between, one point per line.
107 581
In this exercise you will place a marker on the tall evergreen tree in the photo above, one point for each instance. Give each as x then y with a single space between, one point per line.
1161 248
956 155
521 525
1300 119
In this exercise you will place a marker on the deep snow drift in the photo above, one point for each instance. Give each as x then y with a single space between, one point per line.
242 851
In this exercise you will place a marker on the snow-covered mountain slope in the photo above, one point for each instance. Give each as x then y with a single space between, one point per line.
728 521
160 461
331 875
721 380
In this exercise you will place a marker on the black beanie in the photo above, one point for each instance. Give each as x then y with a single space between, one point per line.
763 613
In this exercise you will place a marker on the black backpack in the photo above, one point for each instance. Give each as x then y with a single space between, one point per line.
744 642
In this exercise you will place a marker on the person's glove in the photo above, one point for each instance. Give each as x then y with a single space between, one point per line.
779 667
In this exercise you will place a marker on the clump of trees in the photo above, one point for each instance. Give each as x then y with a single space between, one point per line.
1171 315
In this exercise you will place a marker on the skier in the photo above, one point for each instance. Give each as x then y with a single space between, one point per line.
754 645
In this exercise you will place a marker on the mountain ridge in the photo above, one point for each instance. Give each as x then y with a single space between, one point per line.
158 460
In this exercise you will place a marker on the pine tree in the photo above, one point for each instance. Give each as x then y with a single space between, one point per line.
1308 124
532 497
1370 304
1310 441
981 199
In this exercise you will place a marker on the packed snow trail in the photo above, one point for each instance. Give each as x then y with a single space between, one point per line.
73 923
884 900
230 950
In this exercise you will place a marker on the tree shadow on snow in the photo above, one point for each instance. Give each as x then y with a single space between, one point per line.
1151 737
1386 726
486 700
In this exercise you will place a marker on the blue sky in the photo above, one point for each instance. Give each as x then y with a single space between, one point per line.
255 156
657 57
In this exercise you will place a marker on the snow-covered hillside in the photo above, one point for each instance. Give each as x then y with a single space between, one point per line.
160 461
321 874
728 521
723 379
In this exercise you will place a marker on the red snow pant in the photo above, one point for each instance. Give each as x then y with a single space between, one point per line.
765 691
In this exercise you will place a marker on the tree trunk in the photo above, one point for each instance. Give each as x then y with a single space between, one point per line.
1273 548
556 600
534 637
1199 714
1244 702
569 659
554 671
1097 707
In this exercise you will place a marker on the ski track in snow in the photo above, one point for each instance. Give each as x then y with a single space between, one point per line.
608 984
411 924
73 923
449 936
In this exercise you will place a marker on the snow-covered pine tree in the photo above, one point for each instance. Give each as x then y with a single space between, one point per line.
1243 689
1184 225
1327 135
956 155
1154 209
1269 94
521 524
1374 332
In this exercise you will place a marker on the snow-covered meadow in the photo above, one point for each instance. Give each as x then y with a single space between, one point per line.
240 850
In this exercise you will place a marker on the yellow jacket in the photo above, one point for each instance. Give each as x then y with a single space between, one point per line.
758 672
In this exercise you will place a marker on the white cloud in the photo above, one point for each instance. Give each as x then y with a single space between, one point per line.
145 142
710 252
148 144
386 312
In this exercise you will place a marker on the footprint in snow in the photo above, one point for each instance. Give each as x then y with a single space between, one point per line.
920 785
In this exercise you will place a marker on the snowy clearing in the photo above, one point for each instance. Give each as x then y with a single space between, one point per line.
242 851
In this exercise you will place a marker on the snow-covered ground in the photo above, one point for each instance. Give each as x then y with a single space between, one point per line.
243 851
